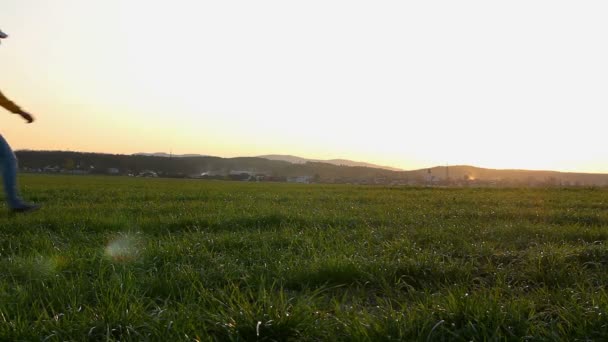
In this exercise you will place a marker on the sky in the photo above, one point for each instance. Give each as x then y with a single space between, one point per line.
409 84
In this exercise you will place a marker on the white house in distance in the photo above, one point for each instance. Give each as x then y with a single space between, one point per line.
50 168
300 179
148 173
212 174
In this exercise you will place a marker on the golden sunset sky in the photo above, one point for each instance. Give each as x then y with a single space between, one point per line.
410 84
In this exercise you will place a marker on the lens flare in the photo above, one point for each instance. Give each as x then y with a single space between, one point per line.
124 248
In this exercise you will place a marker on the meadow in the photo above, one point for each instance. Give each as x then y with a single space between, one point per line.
131 259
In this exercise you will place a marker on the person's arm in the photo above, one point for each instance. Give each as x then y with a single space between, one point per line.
9 105
12 107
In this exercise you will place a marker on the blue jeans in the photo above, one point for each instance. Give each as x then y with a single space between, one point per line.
8 166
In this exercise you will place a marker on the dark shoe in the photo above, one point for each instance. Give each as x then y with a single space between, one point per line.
26 208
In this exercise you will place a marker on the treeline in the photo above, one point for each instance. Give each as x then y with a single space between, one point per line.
230 168
189 166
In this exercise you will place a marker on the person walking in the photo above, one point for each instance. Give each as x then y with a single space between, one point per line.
8 161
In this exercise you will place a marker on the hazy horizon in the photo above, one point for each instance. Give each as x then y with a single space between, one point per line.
517 85
329 160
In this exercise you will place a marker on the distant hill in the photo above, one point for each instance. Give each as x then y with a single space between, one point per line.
339 162
167 155
462 172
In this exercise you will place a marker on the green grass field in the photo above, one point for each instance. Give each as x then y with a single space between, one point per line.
129 259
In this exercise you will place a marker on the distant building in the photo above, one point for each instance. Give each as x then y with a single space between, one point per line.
148 173
206 174
49 168
300 179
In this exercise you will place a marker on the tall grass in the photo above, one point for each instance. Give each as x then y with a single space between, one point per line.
111 258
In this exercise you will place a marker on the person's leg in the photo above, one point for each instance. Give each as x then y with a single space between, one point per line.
8 165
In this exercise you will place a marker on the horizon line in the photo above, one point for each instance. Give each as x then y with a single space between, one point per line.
194 155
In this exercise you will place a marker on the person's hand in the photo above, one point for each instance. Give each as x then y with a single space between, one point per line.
27 117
